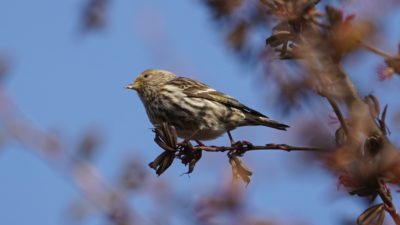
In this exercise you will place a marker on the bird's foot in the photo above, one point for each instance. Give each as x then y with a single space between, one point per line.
236 144
247 143
183 144
241 144
199 143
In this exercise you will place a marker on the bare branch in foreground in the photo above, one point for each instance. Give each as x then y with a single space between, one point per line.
246 146
189 155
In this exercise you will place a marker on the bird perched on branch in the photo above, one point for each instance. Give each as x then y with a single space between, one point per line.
197 111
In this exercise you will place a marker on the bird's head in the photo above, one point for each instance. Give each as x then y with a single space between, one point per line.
150 79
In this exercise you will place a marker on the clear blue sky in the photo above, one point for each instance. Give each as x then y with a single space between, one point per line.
69 82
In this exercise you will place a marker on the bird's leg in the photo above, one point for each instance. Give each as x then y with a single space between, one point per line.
186 141
230 138
199 143
237 143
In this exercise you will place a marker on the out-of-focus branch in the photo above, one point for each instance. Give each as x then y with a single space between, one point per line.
77 171
339 115
392 61
386 196
375 50
322 43
94 15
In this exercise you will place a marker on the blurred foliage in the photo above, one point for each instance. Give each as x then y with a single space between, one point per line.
94 15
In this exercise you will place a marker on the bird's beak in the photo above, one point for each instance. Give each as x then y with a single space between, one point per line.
134 86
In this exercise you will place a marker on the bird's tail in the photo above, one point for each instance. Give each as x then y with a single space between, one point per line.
265 121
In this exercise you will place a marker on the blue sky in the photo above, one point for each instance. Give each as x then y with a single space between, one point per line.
70 82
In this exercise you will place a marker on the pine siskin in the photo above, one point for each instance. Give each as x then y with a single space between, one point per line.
197 111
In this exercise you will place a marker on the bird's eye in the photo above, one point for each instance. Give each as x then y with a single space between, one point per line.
146 75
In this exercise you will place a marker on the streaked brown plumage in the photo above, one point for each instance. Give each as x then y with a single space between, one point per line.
195 110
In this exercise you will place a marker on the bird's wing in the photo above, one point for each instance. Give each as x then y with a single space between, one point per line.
197 89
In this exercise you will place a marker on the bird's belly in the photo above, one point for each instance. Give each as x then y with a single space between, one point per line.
201 122
201 135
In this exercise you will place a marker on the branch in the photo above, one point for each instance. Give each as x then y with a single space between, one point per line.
339 115
375 50
245 147
167 139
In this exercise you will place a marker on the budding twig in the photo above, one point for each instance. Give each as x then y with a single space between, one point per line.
386 197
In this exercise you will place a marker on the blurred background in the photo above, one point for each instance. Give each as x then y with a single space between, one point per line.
64 66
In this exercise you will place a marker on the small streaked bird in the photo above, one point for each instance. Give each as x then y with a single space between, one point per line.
197 111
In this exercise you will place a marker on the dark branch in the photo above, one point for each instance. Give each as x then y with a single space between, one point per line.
189 155
249 147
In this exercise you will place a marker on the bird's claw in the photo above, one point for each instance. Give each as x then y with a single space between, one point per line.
184 144
247 143
240 147
199 143
242 144
237 144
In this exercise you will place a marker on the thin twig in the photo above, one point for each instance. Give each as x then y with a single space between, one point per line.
245 148
375 50
339 115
